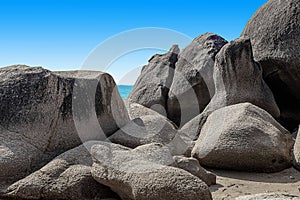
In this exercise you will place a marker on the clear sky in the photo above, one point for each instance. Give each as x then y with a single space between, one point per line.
60 34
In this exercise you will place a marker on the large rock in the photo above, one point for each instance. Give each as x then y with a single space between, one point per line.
274 31
238 79
17 157
296 152
192 165
68 176
150 127
243 137
144 130
192 86
152 86
48 113
142 174
136 110
191 130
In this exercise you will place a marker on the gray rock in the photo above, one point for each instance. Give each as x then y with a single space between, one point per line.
296 151
96 101
192 86
274 32
191 130
151 127
152 86
144 130
269 196
192 165
180 145
238 79
243 137
110 154
68 176
49 113
17 157
142 174
136 110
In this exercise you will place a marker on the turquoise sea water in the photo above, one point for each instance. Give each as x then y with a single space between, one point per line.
125 90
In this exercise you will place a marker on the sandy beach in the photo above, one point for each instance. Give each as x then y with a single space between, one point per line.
232 184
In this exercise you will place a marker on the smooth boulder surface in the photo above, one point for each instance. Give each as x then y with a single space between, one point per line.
238 79
144 130
152 86
296 152
192 165
192 86
68 176
274 32
243 137
142 174
48 113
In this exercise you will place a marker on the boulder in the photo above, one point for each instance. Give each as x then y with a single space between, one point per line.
152 86
269 196
144 130
17 157
151 128
243 137
238 79
49 112
142 174
192 86
296 152
192 165
68 176
191 130
136 110
274 32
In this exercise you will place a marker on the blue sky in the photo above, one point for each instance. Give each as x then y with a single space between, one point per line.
60 34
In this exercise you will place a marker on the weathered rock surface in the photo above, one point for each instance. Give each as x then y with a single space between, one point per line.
39 107
68 176
192 165
142 174
274 31
150 127
269 196
296 152
192 86
144 130
17 157
136 110
152 86
238 79
191 130
243 137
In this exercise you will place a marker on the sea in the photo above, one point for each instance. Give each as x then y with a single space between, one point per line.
125 90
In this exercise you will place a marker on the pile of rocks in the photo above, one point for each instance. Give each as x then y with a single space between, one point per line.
216 104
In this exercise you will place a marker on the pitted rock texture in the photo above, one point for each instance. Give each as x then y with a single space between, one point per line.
243 137
274 32
152 86
193 86
51 112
